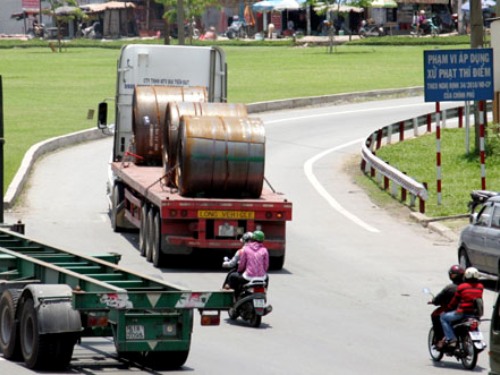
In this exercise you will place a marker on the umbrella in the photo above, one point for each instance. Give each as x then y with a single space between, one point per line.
485 4
383 4
66 10
264 6
288 5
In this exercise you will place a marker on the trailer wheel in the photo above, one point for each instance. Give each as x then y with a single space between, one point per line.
9 328
276 263
149 234
49 351
157 255
116 200
170 360
143 230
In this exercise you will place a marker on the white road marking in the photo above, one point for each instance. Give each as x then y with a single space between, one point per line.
308 169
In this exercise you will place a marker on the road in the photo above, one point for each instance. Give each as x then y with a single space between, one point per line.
349 298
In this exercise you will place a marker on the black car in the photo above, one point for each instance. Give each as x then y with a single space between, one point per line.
479 244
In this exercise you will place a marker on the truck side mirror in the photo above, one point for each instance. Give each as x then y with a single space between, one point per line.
102 116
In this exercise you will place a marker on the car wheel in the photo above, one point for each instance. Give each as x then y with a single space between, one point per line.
463 259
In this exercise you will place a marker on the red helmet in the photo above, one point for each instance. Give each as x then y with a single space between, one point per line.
456 273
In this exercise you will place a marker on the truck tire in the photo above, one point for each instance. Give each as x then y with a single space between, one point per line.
149 234
116 200
170 360
157 255
276 263
142 230
49 351
9 327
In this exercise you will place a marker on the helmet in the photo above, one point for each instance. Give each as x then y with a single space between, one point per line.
246 237
258 236
456 273
471 273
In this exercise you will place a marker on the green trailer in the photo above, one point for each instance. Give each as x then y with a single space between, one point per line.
51 298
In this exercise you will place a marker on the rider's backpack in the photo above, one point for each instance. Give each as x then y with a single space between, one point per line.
478 307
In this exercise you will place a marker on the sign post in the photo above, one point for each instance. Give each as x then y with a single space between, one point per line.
458 75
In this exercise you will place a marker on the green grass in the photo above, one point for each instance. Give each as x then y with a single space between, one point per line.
460 171
48 94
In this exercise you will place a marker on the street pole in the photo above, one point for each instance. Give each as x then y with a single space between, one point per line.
476 41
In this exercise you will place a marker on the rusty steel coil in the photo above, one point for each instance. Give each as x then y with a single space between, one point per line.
220 157
176 110
149 107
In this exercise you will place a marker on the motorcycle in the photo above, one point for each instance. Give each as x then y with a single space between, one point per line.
367 30
470 342
251 302
428 28
237 29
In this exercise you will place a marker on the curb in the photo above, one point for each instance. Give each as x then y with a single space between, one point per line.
38 150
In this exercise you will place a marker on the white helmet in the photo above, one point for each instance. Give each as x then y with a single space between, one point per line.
471 273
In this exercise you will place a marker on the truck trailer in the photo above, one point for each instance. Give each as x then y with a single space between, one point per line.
187 168
51 298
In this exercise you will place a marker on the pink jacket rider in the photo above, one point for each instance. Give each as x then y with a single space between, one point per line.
254 261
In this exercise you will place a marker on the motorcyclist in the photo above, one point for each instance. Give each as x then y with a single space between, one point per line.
461 305
443 299
253 263
232 263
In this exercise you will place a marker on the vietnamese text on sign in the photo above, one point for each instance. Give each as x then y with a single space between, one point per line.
458 75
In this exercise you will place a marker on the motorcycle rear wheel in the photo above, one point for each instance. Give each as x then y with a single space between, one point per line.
255 320
469 359
233 315
436 355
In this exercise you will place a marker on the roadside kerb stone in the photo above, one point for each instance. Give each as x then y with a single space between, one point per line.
36 151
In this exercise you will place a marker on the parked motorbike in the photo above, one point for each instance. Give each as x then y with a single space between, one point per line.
38 31
237 29
428 28
251 303
367 30
470 342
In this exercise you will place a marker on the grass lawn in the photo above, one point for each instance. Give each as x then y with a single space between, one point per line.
48 94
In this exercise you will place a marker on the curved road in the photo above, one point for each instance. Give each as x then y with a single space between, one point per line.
349 299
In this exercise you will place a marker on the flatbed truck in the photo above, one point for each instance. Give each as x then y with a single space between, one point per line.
142 198
51 298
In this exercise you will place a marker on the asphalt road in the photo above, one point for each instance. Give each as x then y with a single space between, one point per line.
349 299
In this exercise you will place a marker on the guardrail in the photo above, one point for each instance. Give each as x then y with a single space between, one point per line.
385 173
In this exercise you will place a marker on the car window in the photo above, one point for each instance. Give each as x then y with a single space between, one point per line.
483 219
495 219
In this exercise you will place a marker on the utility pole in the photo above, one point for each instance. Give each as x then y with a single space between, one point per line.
476 41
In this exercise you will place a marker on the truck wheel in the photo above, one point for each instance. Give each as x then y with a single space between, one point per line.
166 360
149 234
50 351
116 200
157 255
142 230
276 263
9 328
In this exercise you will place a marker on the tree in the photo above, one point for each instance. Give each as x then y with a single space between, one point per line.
63 17
182 10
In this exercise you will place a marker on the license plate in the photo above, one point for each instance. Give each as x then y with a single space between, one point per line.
237 215
135 332
259 303
476 335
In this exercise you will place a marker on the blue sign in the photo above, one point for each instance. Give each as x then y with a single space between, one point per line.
458 75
